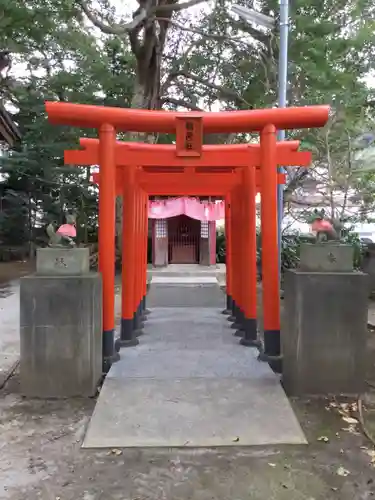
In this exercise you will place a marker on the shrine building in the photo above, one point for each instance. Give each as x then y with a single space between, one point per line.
183 230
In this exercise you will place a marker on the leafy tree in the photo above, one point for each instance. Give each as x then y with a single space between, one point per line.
186 54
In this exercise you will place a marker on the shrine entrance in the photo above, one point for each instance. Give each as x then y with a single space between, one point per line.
183 240
191 385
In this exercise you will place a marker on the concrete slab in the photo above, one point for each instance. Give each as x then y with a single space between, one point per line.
177 280
185 295
184 270
191 413
190 384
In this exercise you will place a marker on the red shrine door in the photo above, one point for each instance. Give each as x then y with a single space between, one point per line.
183 240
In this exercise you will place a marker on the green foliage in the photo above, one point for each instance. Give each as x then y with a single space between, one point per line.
214 61
220 246
63 61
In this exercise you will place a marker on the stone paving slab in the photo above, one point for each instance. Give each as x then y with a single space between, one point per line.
177 280
190 384
192 413
185 295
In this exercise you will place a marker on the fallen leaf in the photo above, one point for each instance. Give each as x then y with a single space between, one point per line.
236 439
323 438
116 452
350 420
272 465
342 472
352 429
354 407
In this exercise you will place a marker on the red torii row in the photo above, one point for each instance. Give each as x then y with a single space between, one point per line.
154 182
191 154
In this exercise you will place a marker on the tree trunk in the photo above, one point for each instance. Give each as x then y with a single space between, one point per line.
146 96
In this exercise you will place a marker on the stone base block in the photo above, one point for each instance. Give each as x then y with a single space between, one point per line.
62 261
61 335
324 333
330 256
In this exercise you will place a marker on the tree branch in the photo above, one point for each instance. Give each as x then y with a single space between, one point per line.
139 17
175 7
181 103
220 38
115 29
220 90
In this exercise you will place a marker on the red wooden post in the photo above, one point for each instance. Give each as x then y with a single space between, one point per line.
241 257
228 256
249 277
107 194
127 338
138 323
236 253
146 311
270 258
144 252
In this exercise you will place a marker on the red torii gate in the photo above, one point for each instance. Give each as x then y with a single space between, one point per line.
190 153
217 183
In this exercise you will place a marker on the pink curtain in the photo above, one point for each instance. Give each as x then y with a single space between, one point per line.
192 207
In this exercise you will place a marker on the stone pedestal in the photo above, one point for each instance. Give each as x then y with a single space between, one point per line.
61 327
62 261
326 257
324 332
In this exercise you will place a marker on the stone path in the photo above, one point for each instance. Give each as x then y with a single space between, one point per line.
189 383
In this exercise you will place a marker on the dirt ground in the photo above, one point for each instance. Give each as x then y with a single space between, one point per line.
41 455
41 458
14 270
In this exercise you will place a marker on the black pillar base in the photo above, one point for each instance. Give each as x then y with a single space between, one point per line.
109 354
271 352
138 323
127 338
128 343
275 362
250 333
145 311
232 316
229 307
